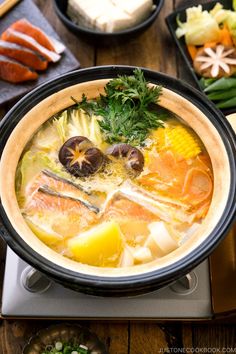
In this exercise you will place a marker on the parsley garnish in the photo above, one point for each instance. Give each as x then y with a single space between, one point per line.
128 109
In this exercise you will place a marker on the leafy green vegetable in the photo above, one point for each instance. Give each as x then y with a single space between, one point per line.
32 164
234 5
199 28
128 110
61 126
81 123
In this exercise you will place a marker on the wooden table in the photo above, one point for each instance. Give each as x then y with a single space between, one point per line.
155 50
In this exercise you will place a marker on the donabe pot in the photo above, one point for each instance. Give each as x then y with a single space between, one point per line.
34 109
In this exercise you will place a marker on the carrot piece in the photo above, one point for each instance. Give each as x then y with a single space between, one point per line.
197 185
225 36
192 51
210 44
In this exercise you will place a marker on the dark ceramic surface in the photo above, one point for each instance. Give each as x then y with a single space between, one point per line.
130 285
27 9
103 37
180 42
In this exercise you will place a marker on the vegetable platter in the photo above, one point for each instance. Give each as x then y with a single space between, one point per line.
206 37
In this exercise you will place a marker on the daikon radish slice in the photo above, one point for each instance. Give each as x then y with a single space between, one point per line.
162 237
142 254
127 259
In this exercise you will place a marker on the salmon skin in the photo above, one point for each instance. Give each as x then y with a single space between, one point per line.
24 26
13 71
23 55
13 36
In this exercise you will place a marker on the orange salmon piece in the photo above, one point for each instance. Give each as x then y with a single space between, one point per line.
57 185
15 72
13 36
23 55
65 212
24 26
123 208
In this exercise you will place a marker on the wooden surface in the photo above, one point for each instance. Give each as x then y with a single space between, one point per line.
153 49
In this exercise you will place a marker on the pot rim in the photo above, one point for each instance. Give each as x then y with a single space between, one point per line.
164 274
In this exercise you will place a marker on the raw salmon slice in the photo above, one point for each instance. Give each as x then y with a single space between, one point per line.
13 36
23 55
24 26
13 71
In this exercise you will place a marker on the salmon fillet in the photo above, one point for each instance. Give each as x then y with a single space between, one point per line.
123 208
15 72
23 55
13 36
24 26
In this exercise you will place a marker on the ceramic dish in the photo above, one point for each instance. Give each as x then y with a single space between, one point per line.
69 333
190 105
102 37
180 43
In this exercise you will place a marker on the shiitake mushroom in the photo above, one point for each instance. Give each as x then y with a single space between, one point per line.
79 156
133 157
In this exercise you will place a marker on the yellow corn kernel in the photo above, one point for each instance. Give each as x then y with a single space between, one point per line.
182 140
160 138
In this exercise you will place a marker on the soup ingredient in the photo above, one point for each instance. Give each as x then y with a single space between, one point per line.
180 139
200 27
100 246
169 175
80 123
46 189
66 348
127 259
161 238
132 157
49 237
64 185
15 72
63 215
197 185
217 61
24 26
23 55
109 15
128 109
80 157
17 37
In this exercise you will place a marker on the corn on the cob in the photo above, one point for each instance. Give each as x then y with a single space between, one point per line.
182 141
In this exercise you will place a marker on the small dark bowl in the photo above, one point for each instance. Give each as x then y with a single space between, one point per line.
64 332
104 38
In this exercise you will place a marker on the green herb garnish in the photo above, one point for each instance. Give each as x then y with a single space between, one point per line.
66 348
128 109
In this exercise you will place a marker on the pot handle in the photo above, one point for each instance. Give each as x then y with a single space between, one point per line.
232 120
